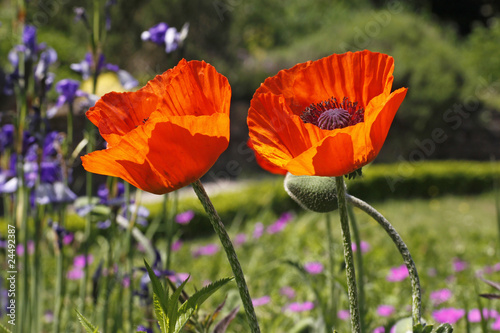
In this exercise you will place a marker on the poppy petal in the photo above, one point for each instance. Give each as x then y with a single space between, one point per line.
265 164
278 135
338 78
194 88
162 167
382 121
116 114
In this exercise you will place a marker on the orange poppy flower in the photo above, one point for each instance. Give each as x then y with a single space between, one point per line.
327 117
167 134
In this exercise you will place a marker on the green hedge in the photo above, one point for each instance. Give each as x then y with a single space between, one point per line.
267 199
379 182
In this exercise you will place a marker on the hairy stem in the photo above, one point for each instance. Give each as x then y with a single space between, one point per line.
348 256
231 255
403 249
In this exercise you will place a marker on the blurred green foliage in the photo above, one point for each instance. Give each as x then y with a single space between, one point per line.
380 182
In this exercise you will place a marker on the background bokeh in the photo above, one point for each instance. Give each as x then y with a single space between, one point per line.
446 52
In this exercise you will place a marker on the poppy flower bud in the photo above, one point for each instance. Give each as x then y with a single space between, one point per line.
315 193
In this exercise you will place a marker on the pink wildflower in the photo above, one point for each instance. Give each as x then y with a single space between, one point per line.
397 274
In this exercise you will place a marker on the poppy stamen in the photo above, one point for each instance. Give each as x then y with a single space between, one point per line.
331 114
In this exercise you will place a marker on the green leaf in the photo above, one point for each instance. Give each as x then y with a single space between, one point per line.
187 309
160 315
173 305
444 328
222 326
4 329
89 328
158 288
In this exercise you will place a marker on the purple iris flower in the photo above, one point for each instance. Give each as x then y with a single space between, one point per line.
107 13
50 172
42 75
141 328
52 139
60 231
162 34
29 40
29 48
86 65
68 91
156 34
6 137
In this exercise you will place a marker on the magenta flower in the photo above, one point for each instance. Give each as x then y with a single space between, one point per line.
459 265
261 301
80 262
385 310
496 325
440 296
313 267
397 274
474 315
258 231
68 238
343 314
206 250
126 281
288 292
176 246
184 218
379 329
20 250
240 239
280 223
448 315
365 247
432 272
300 307
76 273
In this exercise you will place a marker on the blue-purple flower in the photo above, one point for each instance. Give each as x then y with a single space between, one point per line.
68 90
29 49
87 66
170 37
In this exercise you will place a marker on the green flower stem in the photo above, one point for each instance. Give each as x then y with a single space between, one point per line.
403 249
348 256
331 258
231 255
170 227
359 266
59 289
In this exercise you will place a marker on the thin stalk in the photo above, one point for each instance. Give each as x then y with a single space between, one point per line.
37 296
403 249
348 256
231 255
130 258
108 278
166 220
59 290
331 262
170 229
359 266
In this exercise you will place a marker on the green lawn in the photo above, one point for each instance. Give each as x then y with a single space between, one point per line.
436 231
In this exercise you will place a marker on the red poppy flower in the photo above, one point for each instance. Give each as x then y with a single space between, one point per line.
327 117
167 134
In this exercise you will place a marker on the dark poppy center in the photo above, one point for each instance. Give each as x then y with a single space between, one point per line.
331 114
